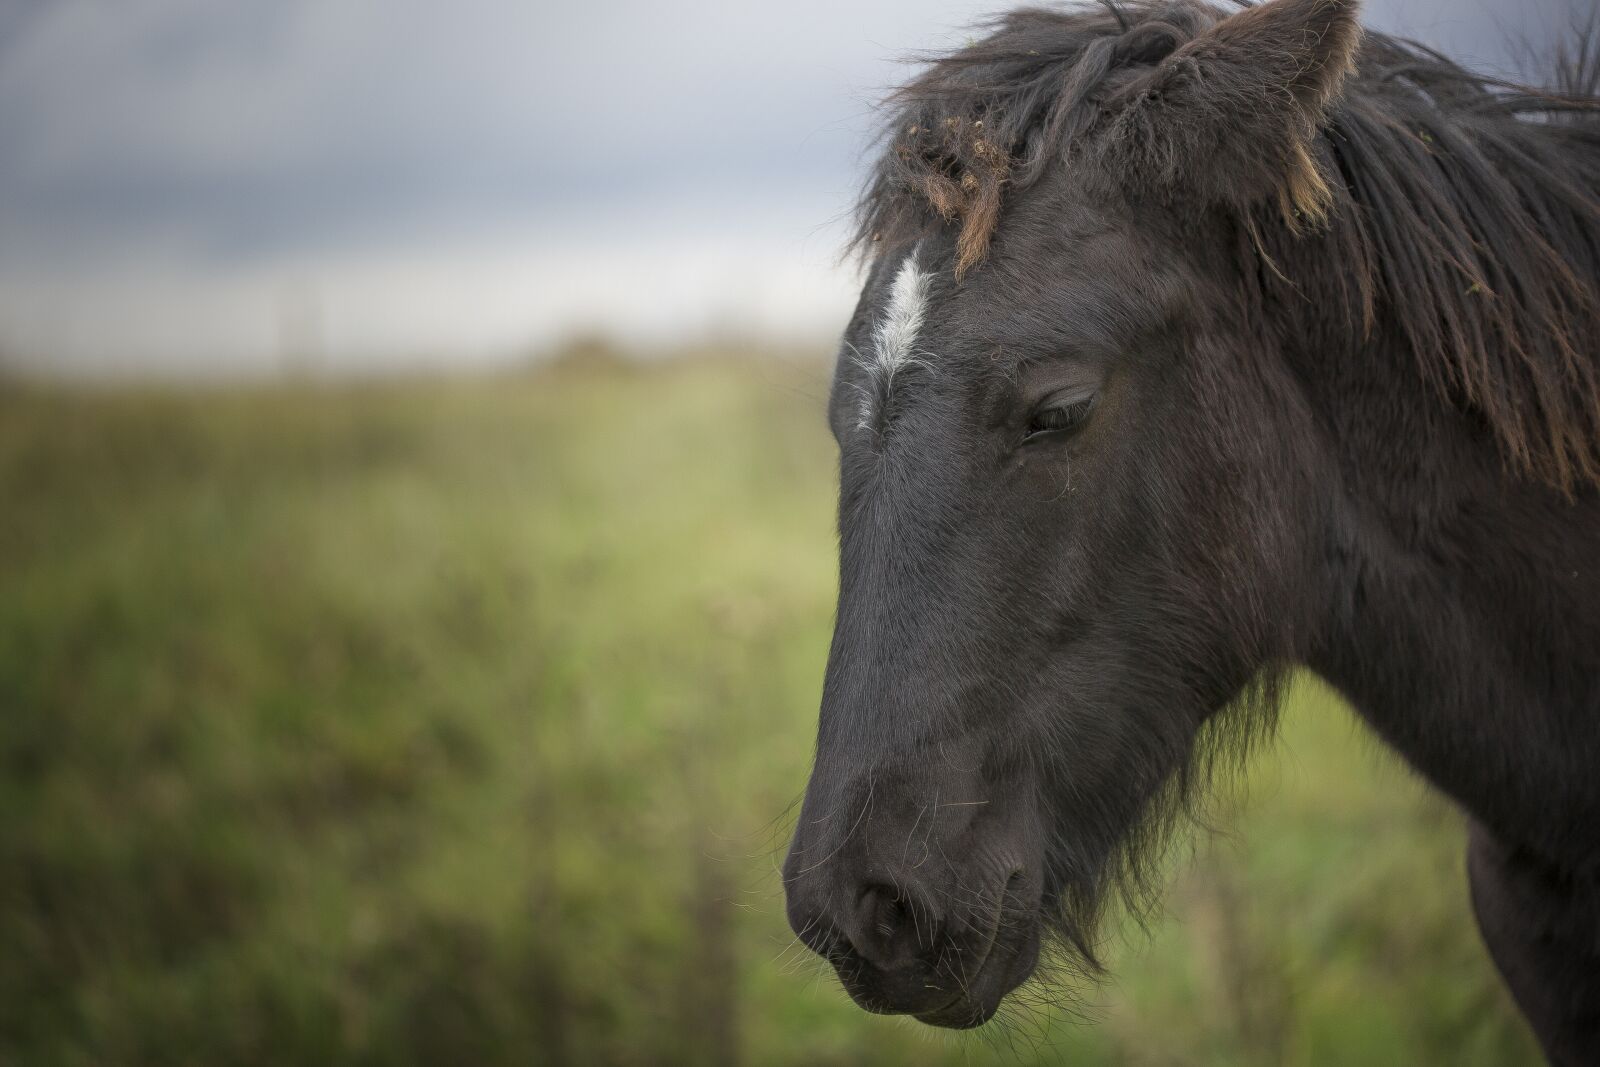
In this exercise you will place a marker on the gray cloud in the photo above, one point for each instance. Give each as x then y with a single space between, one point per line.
193 137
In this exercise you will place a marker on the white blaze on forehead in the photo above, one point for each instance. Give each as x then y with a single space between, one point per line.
895 339
908 306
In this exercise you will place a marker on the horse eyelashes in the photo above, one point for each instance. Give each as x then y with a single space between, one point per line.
1060 418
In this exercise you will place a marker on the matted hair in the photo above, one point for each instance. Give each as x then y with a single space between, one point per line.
1465 210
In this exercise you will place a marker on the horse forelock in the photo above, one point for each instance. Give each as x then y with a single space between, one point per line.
1465 210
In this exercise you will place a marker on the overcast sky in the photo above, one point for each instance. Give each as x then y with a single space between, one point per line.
200 186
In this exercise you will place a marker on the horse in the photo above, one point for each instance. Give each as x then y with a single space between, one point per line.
1199 346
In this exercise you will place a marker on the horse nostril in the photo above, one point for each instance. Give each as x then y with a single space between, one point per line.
891 926
882 910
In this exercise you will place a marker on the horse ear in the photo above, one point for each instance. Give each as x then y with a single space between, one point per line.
1233 114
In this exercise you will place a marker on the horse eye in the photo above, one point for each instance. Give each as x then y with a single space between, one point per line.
1059 419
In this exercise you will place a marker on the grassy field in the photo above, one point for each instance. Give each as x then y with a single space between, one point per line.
457 722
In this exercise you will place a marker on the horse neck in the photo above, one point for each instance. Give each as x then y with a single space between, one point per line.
1460 605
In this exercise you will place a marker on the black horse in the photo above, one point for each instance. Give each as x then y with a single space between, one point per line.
1198 345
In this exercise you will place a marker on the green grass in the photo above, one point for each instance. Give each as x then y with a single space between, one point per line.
457 723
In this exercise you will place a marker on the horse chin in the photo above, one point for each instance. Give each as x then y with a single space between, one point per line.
1009 963
945 996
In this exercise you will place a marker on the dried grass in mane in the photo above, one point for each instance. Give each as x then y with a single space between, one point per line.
1465 210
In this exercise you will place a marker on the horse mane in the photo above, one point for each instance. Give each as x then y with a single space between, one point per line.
1464 209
